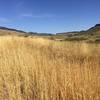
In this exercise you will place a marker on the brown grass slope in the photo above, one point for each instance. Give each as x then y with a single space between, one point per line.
40 69
95 30
91 35
4 32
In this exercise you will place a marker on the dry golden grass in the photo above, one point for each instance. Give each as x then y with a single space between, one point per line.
4 32
40 69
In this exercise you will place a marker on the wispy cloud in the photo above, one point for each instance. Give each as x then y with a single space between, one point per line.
4 20
36 16
26 15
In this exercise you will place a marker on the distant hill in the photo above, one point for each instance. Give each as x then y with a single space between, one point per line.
92 31
10 31
90 35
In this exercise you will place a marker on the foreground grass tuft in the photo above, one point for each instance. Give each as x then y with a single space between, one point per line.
40 69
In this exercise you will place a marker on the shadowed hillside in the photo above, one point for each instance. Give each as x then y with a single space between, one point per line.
94 30
90 35
8 31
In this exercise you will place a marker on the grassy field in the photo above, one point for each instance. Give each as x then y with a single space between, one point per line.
40 69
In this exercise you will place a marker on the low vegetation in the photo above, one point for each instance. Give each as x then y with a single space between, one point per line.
33 68
91 35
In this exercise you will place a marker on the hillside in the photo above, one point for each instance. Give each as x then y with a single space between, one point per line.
90 35
9 31
94 30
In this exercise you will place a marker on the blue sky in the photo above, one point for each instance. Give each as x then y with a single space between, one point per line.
49 15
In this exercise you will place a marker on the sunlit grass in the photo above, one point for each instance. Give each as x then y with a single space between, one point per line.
40 69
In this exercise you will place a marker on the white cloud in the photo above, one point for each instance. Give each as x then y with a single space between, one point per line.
37 15
26 15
